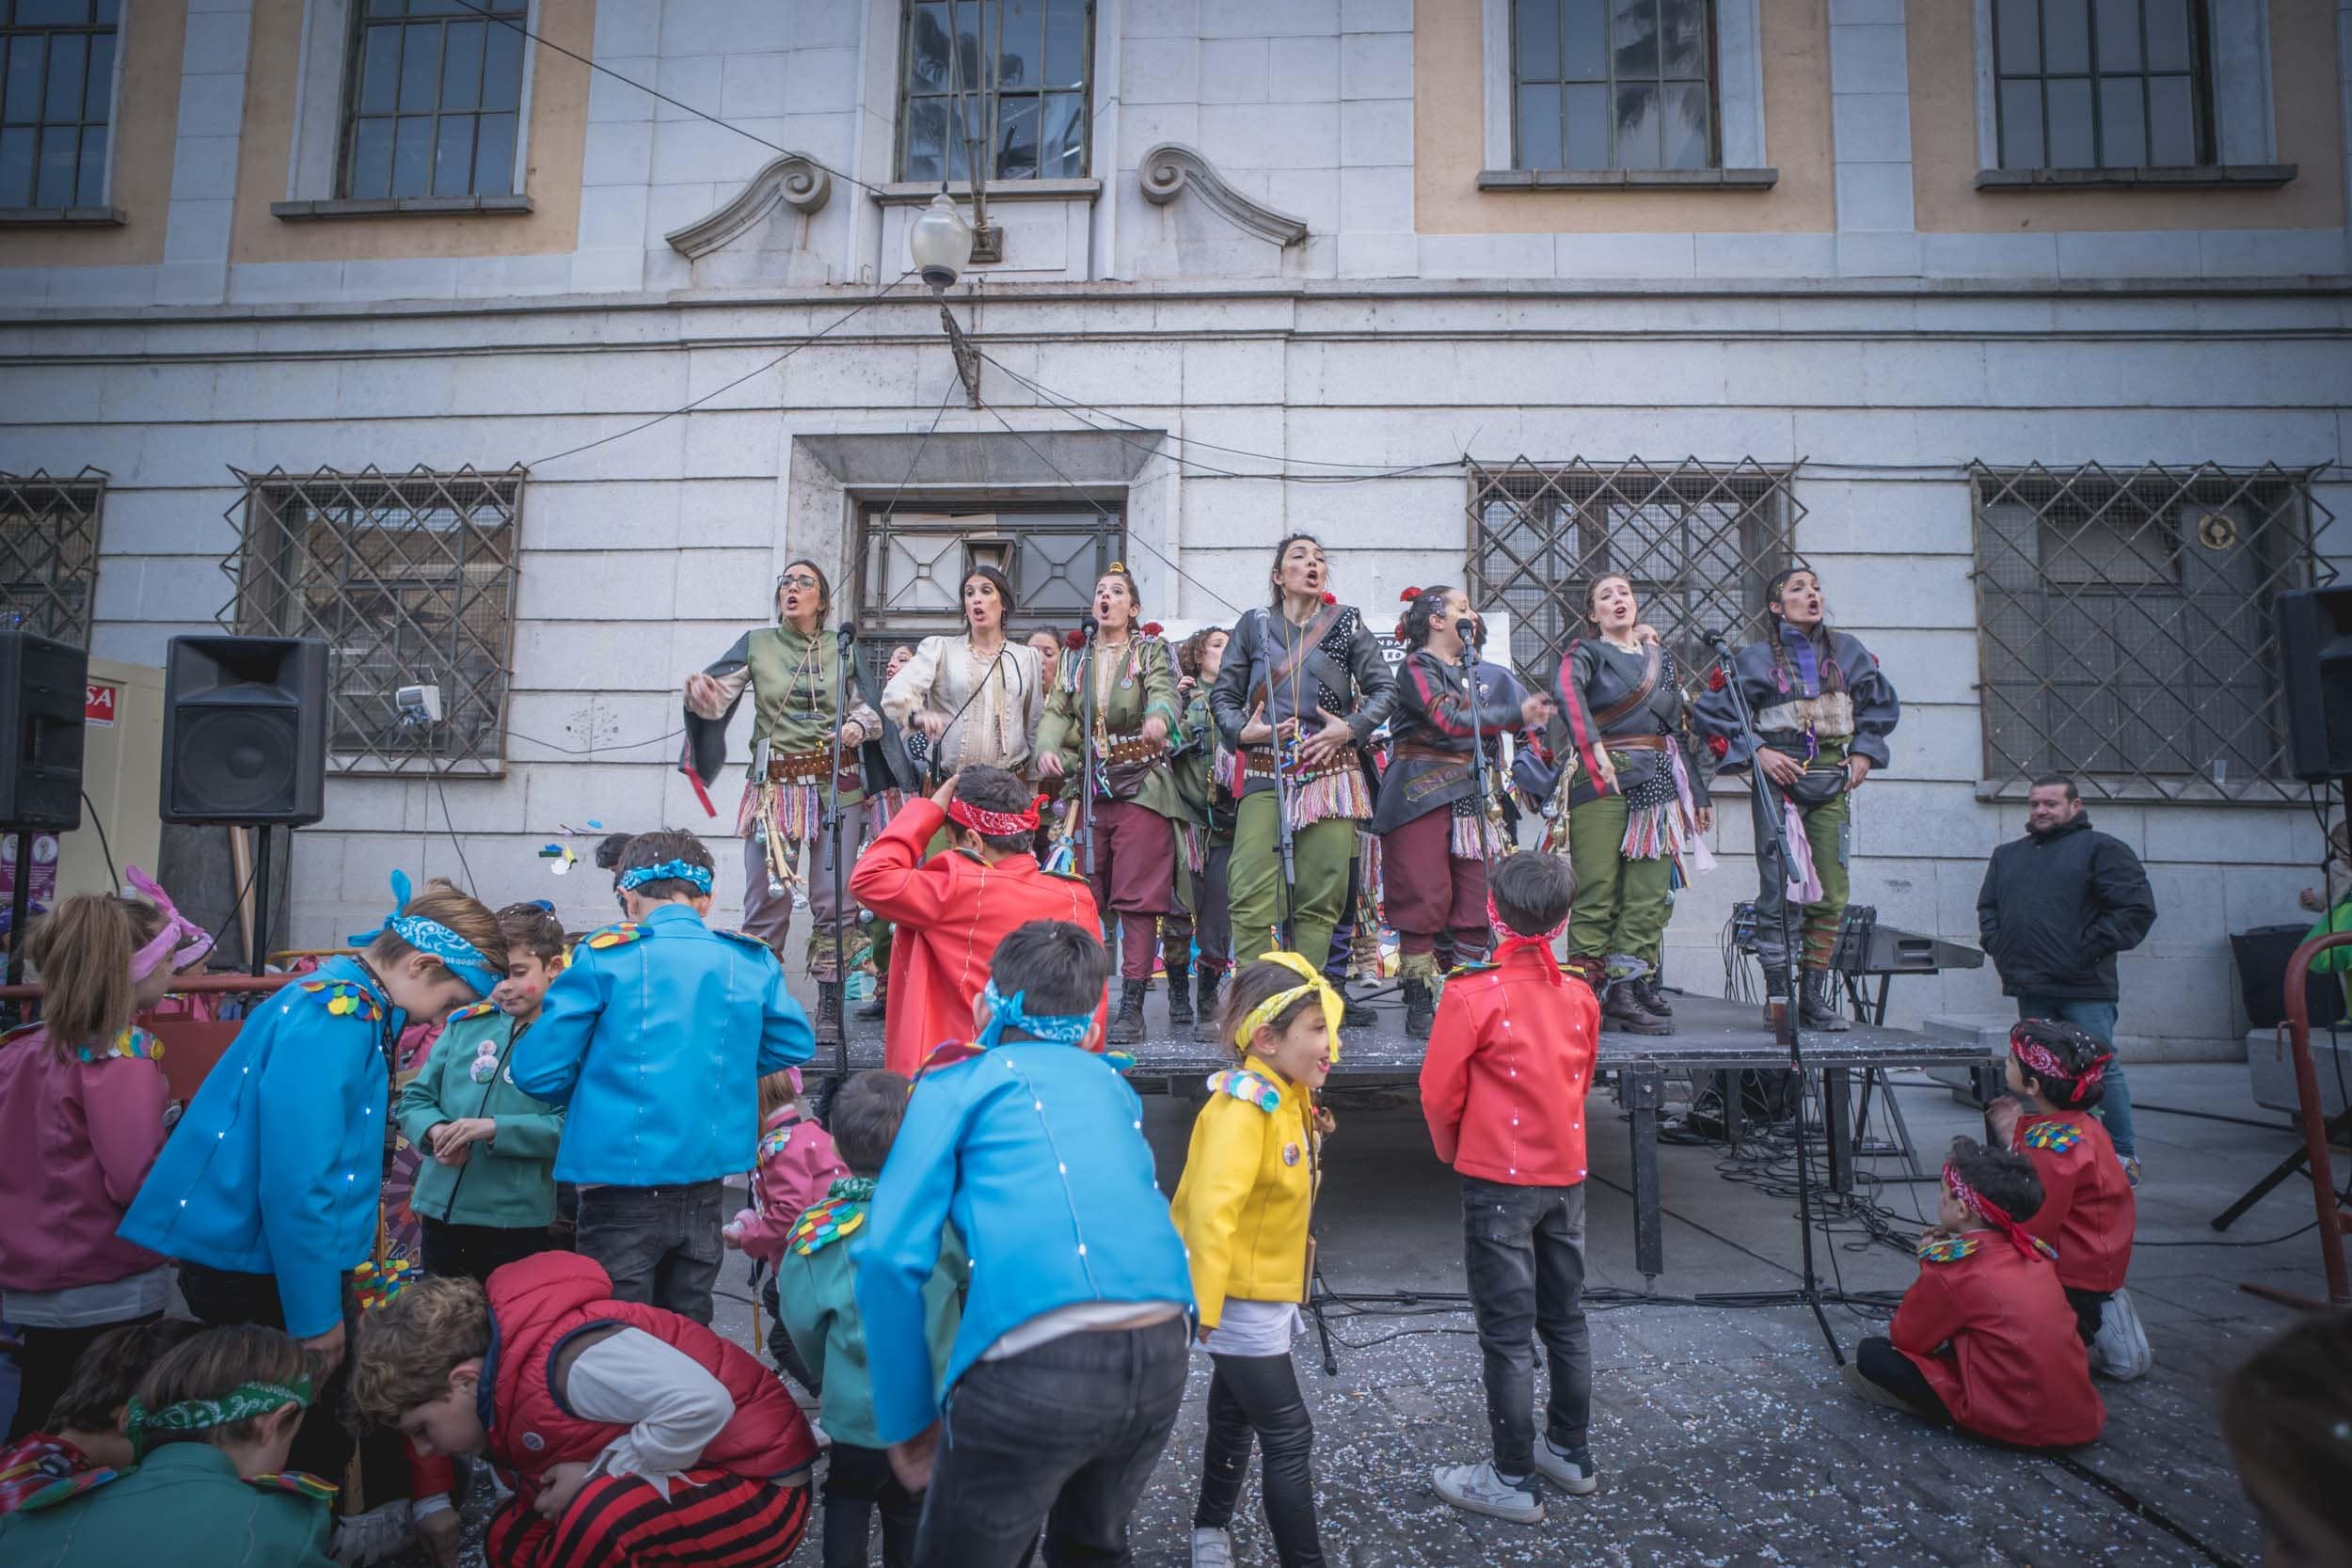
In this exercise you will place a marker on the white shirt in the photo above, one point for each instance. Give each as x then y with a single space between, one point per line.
1253 1328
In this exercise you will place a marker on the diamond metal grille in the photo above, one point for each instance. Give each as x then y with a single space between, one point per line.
49 552
1698 540
2125 625
410 579
911 567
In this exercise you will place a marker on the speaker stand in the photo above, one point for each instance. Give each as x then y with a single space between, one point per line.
20 913
257 954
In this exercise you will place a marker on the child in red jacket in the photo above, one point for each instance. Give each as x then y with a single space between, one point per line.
798 1165
633 1435
1503 1087
1982 1337
2087 1210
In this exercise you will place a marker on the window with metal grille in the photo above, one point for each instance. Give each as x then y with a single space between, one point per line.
1613 84
911 567
1012 95
57 92
2102 84
432 98
1699 541
410 579
2123 625
49 553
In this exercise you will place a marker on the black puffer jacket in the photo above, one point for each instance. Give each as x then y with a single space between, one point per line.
2057 908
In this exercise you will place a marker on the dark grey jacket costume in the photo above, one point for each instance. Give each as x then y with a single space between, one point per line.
1432 714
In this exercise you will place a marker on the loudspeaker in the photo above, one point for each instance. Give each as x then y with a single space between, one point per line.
245 730
43 687
2315 681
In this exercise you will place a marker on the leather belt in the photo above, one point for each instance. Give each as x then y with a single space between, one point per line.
1258 762
1422 750
810 767
1637 743
1131 746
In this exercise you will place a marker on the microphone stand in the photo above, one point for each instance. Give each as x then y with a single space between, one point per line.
1785 1027
1283 835
1085 746
847 645
1466 628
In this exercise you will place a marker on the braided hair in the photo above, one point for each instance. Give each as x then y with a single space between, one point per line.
1825 645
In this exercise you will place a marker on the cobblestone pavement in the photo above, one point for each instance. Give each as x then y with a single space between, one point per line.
1723 1434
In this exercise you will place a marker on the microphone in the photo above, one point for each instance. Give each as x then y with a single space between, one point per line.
1090 627
848 634
1714 639
1467 629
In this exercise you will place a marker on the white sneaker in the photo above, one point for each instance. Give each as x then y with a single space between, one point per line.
2120 1350
1211 1548
1477 1488
1577 1478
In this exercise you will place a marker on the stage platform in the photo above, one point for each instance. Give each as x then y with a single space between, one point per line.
1711 1035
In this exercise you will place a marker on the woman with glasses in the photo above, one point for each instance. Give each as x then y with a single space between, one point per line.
975 698
792 671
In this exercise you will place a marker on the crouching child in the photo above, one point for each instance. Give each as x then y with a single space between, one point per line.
632 1435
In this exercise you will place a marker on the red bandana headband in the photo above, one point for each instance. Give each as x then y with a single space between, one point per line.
2045 1063
1515 942
1994 1215
995 824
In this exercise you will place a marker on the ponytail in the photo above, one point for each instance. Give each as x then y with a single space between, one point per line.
82 950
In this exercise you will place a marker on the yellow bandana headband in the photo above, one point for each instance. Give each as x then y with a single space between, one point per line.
1272 1007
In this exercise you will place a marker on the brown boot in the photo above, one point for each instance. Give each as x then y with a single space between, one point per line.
1623 1007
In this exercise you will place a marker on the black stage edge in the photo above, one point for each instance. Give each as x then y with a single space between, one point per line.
1711 1035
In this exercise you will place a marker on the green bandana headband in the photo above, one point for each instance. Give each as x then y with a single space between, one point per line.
245 1401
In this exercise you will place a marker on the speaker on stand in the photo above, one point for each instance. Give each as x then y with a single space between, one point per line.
43 684
245 744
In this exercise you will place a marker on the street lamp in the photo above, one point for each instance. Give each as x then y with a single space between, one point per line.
940 241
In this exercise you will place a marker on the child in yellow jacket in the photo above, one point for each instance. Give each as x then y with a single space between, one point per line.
1242 1209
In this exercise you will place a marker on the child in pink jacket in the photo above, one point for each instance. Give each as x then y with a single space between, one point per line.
797 1165
82 1118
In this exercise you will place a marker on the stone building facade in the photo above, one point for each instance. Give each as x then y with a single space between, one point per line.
515 347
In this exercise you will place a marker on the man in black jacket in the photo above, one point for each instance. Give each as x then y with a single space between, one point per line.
2056 906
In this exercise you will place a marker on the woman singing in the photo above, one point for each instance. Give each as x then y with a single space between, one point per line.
1436 835
792 670
1823 713
1636 809
1304 680
1128 680
1204 841
975 698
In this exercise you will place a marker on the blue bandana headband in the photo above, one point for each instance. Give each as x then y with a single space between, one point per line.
433 939
637 876
1007 1013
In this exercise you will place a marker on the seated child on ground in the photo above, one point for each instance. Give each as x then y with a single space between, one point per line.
1502 1089
1983 1337
2087 1209
632 1435
210 1426
797 1165
815 1287
79 1441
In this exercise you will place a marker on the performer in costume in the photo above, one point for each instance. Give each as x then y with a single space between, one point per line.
1130 678
1303 680
975 698
1823 710
1437 832
792 671
1205 841
1636 810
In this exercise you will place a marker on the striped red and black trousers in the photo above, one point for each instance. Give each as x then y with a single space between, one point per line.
711 1519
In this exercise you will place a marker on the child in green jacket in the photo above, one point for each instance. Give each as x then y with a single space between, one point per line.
816 1295
486 1191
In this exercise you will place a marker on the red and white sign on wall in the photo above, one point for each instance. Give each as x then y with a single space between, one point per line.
98 703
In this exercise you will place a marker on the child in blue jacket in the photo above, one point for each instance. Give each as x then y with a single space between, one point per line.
1069 1364
655 1037
266 1190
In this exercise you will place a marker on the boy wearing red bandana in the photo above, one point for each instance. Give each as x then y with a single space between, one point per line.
2088 1209
1982 1338
952 911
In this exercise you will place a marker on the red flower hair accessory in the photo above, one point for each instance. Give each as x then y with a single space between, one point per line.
1152 628
1331 598
1714 677
1074 640
1408 595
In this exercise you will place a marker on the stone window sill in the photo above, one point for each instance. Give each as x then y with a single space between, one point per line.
2195 177
1520 179
404 206
62 217
917 193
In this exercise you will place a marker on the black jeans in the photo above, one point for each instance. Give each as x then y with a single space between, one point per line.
857 1482
218 1298
661 1245
1523 1251
1259 1394
2089 1309
1896 1372
787 1354
472 1251
1062 1436
44 1360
